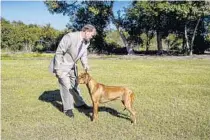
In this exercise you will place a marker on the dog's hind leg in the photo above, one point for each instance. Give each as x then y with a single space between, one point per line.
128 101
131 102
123 105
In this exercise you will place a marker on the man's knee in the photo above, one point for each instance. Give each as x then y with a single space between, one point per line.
65 84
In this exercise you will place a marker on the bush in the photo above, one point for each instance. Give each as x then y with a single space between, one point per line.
39 48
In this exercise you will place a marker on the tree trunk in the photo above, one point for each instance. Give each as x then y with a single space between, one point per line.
30 47
193 37
186 38
149 37
190 46
147 45
159 42
183 44
26 46
125 42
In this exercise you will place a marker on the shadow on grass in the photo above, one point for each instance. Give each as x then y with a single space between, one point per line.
54 98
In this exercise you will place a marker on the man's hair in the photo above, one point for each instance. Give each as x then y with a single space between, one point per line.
88 27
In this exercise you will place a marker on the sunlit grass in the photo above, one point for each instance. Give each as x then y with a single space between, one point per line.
171 98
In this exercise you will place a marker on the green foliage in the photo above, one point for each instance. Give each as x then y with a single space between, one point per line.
86 12
200 43
173 42
113 37
6 29
146 16
17 36
142 20
207 37
97 14
64 7
165 17
39 48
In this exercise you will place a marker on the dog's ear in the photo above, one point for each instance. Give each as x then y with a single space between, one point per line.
87 77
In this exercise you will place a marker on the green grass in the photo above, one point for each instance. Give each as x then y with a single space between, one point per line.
172 99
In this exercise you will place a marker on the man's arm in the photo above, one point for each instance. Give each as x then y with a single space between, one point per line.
61 50
84 60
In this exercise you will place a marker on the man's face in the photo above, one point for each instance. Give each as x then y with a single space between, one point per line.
89 35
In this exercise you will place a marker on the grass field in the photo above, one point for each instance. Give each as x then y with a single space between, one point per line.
172 100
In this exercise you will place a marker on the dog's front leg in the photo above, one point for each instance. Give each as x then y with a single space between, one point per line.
95 110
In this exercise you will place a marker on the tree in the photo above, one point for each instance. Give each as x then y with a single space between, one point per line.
64 7
17 36
85 12
149 17
6 30
189 15
202 40
165 17
98 13
118 24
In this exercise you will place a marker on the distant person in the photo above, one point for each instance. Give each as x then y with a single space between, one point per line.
72 47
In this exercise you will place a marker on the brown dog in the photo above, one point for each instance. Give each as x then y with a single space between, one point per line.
100 93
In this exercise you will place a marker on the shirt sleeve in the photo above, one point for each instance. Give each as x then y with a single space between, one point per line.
84 60
64 44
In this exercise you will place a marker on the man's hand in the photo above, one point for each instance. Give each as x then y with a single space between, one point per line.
58 73
87 68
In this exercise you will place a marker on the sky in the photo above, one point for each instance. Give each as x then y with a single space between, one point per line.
35 12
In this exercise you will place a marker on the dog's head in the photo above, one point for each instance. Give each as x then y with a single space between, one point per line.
84 78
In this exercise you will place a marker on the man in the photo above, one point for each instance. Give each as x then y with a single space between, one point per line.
72 47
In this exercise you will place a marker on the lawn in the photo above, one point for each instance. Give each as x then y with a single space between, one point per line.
172 100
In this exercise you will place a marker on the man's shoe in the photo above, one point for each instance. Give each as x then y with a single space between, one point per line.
69 113
83 107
